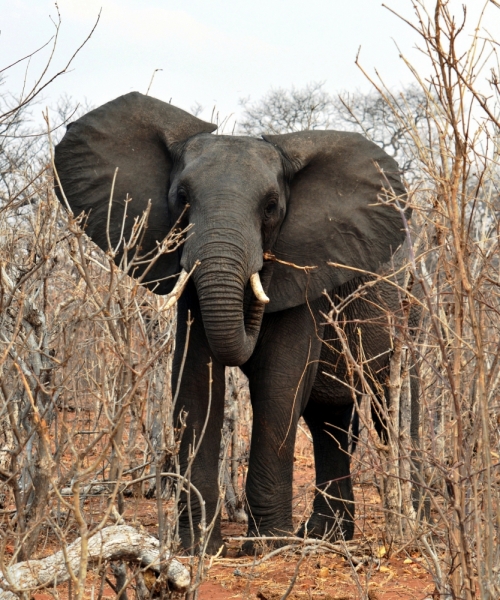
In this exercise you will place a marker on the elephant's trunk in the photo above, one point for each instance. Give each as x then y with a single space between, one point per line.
231 330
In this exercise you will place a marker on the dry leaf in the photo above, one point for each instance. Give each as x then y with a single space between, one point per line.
150 579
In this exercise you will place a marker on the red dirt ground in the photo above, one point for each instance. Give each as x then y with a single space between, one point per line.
321 576
325 576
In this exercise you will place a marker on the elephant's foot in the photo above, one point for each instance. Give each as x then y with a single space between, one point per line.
260 547
263 541
330 527
214 545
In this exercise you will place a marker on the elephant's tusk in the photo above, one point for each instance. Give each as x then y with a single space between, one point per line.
258 289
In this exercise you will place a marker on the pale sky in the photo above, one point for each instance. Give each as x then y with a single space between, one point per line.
211 52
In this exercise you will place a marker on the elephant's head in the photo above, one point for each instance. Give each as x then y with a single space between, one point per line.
305 198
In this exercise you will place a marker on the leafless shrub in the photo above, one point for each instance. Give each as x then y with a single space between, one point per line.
83 381
452 275
85 401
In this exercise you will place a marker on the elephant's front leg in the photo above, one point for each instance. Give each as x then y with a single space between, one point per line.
280 372
203 401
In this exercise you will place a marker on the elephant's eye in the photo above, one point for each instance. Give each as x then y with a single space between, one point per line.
182 197
271 208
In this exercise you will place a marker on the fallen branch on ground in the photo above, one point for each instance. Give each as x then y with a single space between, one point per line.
117 542
345 549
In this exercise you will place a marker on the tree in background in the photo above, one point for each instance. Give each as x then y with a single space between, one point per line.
285 111
311 107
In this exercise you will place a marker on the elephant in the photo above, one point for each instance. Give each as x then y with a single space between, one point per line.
275 223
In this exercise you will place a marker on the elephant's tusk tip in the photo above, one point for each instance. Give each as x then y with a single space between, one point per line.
257 289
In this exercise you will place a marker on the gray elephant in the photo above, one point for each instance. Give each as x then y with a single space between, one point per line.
262 210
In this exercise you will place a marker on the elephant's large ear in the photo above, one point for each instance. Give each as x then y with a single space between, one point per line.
335 213
132 133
